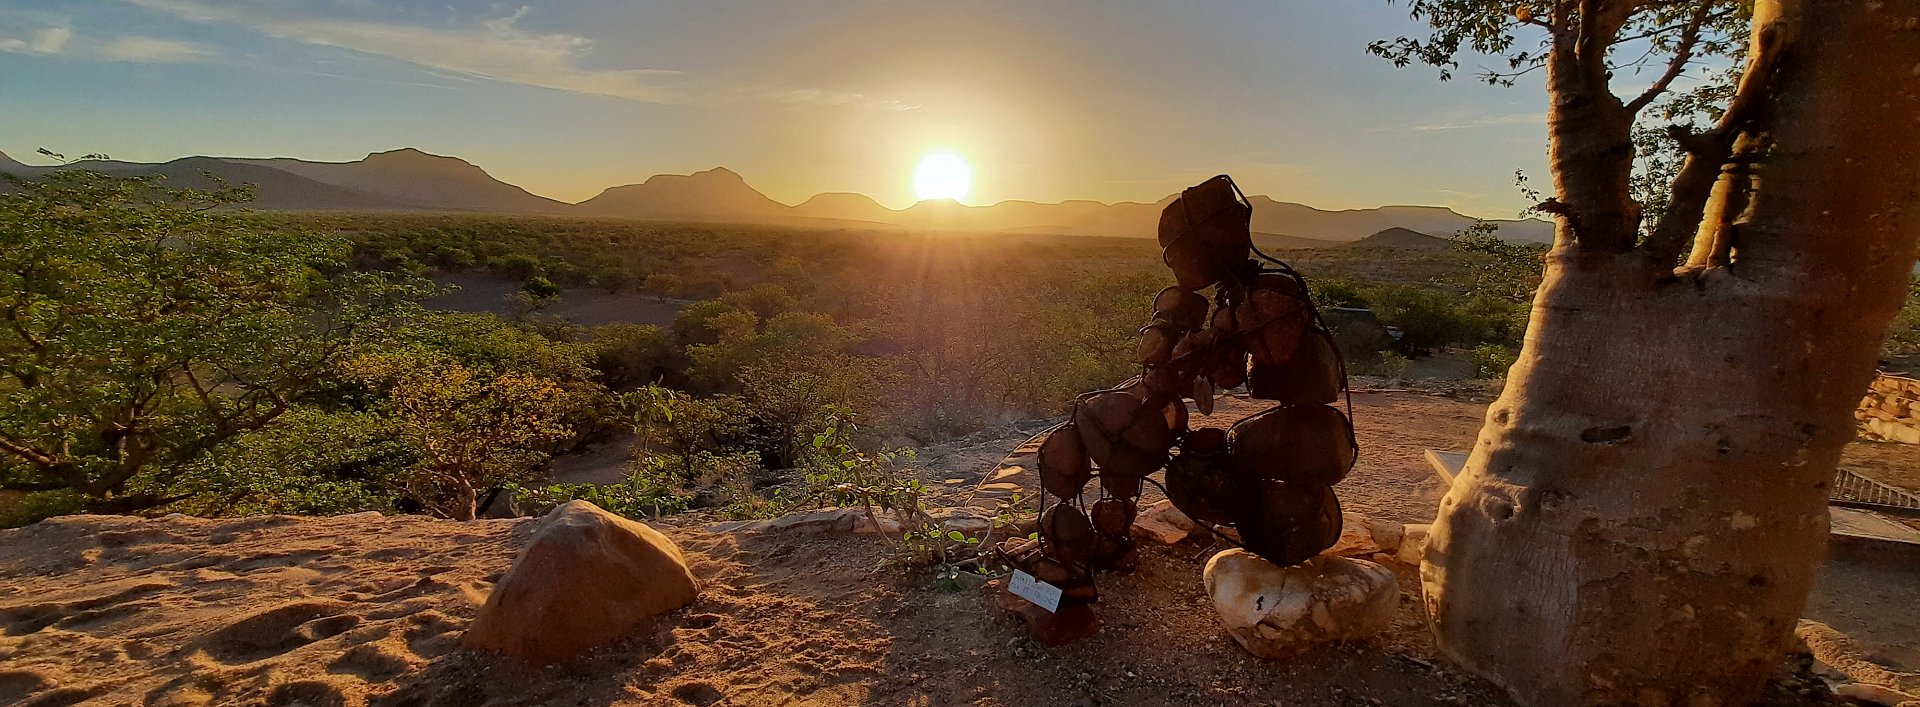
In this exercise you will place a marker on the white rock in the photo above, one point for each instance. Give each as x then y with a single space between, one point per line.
1276 612
1164 524
1362 535
1413 544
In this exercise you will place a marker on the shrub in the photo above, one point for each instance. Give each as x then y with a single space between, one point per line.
1903 337
662 284
541 288
637 496
1492 360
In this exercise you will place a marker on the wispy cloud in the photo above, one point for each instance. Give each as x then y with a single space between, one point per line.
1488 121
48 40
62 41
149 50
495 48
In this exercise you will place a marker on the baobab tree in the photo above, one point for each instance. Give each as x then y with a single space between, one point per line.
1644 512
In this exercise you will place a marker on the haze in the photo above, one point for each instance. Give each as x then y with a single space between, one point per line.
1109 101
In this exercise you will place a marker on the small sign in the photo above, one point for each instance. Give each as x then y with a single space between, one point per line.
1025 586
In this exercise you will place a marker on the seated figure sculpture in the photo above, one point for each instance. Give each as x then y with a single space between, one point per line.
1267 481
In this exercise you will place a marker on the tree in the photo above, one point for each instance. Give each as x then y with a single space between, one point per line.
1644 513
471 429
142 328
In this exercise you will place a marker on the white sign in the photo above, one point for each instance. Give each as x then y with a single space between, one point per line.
1025 586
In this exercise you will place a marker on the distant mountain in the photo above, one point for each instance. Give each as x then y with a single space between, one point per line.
273 188
1275 241
844 206
1404 239
408 179
419 179
717 194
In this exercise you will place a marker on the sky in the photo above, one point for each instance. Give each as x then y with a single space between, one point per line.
1110 100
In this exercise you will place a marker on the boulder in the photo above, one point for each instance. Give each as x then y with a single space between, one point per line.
1164 524
1277 612
1413 543
587 578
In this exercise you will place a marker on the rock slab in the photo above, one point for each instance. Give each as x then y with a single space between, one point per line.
1277 612
1164 524
586 579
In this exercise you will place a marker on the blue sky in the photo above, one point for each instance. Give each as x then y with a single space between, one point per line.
1065 99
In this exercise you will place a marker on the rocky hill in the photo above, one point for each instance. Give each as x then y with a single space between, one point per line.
408 179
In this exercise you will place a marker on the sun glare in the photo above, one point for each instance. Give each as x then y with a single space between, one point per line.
942 175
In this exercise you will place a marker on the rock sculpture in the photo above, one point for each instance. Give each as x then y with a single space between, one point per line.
1270 478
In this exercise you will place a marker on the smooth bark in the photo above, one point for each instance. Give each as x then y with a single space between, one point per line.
1644 512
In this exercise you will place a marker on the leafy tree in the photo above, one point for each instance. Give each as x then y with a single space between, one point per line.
1651 486
142 329
685 427
471 430
1499 268
312 461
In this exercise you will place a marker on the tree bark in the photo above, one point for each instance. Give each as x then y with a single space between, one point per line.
1644 512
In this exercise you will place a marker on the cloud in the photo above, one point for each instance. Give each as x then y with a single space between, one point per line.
822 97
495 49
50 40
1484 122
149 50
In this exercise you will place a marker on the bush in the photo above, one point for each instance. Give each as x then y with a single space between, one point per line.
1492 360
541 288
1427 320
1903 337
515 266
663 285
636 497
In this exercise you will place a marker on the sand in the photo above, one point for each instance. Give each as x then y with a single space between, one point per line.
367 610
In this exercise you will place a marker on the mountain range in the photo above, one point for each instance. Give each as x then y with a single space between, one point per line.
409 180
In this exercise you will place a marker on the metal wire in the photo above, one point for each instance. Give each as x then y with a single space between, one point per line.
1853 490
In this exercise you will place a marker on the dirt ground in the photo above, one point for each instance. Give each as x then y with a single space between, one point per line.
366 610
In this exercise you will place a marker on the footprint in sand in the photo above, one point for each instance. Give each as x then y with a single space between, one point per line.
277 630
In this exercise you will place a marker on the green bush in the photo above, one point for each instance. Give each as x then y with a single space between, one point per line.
1492 360
1903 337
636 497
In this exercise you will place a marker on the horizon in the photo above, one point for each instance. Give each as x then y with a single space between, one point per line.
44 162
1068 102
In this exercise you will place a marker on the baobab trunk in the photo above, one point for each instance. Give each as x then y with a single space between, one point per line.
1644 512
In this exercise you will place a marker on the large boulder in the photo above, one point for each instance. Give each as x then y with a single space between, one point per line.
1276 612
586 579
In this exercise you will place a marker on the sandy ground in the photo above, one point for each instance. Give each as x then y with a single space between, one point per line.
366 610
587 307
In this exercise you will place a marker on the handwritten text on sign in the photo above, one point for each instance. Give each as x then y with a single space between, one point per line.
1027 587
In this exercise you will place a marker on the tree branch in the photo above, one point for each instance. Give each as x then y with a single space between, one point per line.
1691 189
1712 242
1683 53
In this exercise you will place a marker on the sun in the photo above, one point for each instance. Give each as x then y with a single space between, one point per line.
942 175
